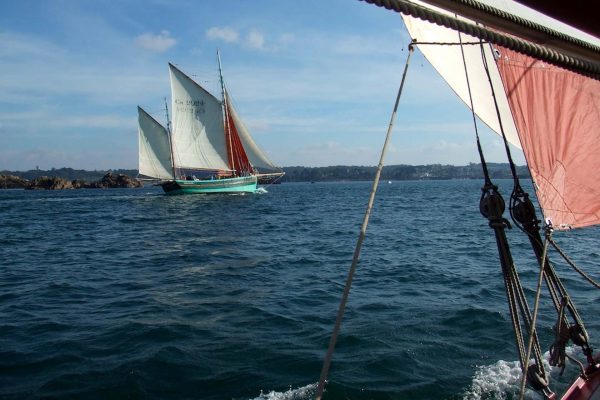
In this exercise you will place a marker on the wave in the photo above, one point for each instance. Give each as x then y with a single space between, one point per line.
305 392
502 380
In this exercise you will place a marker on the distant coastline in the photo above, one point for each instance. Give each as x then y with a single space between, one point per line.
400 172
314 174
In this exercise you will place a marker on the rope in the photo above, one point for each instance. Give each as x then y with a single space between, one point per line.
543 53
492 207
486 174
361 237
461 43
558 352
572 264
526 23
535 373
535 312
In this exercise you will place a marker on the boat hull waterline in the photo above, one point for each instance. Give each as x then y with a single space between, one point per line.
244 184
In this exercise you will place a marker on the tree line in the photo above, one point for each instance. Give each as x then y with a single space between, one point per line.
321 174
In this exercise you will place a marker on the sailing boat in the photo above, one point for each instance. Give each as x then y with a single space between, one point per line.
536 83
206 137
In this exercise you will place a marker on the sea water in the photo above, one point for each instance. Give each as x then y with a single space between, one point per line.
128 293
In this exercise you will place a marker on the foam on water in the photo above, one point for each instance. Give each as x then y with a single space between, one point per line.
496 381
302 393
502 380
261 190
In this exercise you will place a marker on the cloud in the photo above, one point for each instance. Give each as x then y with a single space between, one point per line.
225 34
157 43
255 40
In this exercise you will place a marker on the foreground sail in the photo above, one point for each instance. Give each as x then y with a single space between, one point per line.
556 111
210 150
547 102
537 84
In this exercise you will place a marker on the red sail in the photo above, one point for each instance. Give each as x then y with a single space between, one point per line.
238 160
557 114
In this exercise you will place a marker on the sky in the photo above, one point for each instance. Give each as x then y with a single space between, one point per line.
314 81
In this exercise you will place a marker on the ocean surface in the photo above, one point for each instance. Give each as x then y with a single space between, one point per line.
131 294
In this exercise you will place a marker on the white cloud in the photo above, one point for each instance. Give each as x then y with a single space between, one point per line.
225 34
255 40
158 43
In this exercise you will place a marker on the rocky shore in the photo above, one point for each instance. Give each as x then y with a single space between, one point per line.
108 181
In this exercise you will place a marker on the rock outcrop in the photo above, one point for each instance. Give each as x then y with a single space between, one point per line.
12 182
116 181
109 180
49 183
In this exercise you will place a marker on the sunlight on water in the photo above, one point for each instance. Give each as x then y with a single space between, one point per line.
303 393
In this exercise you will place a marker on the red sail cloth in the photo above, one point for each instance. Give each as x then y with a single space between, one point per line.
557 114
238 160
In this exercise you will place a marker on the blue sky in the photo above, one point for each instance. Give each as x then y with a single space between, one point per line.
315 81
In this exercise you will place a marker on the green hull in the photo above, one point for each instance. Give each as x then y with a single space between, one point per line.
244 184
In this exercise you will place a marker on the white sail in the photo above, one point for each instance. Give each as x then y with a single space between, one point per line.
255 155
553 111
154 149
448 61
197 125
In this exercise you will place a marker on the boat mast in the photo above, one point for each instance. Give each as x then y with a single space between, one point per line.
170 141
225 115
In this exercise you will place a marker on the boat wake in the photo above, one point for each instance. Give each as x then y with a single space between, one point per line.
261 190
502 380
303 393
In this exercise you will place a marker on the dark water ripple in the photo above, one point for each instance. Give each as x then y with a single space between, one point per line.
133 294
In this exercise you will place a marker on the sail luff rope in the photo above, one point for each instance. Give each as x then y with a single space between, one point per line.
516 20
577 65
361 237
